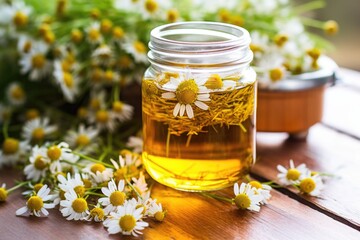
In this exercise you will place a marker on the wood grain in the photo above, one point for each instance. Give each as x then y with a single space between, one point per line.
326 151
190 216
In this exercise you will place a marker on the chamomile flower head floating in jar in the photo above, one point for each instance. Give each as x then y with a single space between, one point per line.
199 103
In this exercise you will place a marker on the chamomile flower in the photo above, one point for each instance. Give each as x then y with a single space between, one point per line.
111 77
259 42
97 214
35 62
74 207
246 197
32 188
58 152
17 14
39 164
137 49
13 151
291 175
93 33
311 184
261 189
136 143
272 69
104 119
263 7
127 164
97 100
143 202
75 183
38 203
140 185
115 196
126 220
25 44
68 82
16 94
127 5
98 172
3 193
82 139
37 130
187 91
216 82
122 111
156 211
102 55
152 8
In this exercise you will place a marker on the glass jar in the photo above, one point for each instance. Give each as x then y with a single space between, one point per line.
199 104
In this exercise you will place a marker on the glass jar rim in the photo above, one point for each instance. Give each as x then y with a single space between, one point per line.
228 36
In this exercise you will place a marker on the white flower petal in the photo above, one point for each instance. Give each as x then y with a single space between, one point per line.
168 95
189 111
201 105
176 109
182 110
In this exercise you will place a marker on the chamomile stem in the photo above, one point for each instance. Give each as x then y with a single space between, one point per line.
92 159
217 197
95 194
5 129
132 187
313 5
17 186
312 22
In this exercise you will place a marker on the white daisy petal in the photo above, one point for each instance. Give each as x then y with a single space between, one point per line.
201 105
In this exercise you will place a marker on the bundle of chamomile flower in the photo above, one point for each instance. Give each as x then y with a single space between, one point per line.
65 67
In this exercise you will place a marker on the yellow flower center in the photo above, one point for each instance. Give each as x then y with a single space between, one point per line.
20 19
109 76
331 27
102 116
119 174
35 203
76 36
3 194
79 205
172 15
79 190
139 47
276 74
97 212
149 89
54 153
124 62
44 27
307 185
38 134
117 198
118 32
68 79
242 201
214 82
293 174
87 183
187 91
127 223
38 186
94 34
17 92
224 15
82 112
10 146
159 216
97 75
27 47
32 113
256 184
62 195
255 48
117 106
314 53
106 25
82 140
49 37
97 167
237 20
39 163
281 39
95 13
38 61
151 6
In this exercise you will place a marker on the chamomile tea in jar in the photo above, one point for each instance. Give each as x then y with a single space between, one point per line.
199 105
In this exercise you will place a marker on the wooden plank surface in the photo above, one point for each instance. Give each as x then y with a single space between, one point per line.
326 151
190 216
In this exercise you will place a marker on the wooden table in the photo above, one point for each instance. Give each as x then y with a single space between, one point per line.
332 146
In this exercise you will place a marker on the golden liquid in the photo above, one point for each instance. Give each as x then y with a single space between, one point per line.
215 158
